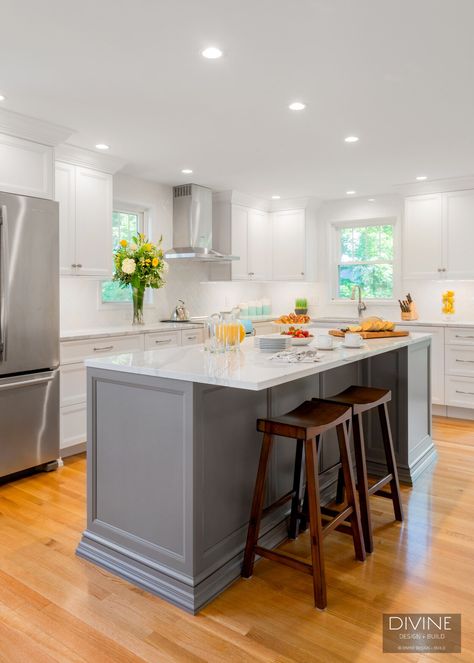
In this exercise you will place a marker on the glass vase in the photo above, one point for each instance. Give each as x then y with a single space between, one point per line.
138 297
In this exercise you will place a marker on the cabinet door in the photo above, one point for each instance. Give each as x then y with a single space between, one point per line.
240 269
259 245
93 223
437 359
289 245
423 237
26 167
65 194
459 220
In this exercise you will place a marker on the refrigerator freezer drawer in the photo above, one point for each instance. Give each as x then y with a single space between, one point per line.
29 421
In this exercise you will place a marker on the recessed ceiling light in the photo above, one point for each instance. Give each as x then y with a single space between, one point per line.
351 139
2 97
212 53
350 193
297 106
421 178
102 146
371 200
276 197
186 171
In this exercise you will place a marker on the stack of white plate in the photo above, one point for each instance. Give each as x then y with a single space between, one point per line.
272 342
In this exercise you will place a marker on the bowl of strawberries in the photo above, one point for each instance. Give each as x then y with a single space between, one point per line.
298 335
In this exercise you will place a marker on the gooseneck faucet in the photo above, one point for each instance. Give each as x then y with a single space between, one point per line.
361 306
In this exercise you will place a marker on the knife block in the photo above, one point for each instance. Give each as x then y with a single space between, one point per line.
412 314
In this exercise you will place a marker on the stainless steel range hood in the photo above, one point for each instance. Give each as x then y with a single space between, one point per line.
192 225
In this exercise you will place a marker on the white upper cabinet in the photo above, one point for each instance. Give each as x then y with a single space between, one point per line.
251 241
85 219
459 234
259 242
438 236
423 237
289 245
93 222
26 167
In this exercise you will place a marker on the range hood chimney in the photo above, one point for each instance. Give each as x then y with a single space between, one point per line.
192 225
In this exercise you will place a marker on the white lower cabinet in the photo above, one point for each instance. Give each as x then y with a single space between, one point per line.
437 359
73 419
460 367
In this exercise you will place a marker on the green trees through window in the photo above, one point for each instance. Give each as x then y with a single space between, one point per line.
366 259
125 225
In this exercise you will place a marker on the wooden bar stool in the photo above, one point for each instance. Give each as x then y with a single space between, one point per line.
305 424
362 399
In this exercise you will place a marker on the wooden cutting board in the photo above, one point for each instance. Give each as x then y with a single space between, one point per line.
373 334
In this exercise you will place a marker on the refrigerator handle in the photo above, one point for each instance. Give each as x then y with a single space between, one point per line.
48 377
3 280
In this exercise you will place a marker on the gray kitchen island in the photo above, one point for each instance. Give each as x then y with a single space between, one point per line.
172 452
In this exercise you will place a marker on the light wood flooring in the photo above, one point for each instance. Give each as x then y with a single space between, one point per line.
56 607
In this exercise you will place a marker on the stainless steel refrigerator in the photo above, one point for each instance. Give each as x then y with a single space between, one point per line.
29 333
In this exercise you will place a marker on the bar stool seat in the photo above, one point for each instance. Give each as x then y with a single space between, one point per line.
305 424
363 399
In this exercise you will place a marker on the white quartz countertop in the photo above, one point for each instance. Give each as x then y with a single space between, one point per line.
338 321
125 330
246 369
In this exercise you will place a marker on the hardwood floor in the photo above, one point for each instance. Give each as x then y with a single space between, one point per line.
56 607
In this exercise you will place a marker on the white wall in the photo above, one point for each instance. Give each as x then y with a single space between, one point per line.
427 294
80 305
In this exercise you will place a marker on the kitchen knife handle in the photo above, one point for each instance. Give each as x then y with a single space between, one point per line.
4 258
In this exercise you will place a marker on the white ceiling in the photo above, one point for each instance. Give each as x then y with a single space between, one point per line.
397 73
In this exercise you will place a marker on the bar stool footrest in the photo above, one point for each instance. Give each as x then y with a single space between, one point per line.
380 484
284 558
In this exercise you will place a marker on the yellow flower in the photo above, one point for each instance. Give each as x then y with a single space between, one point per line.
154 262
123 242
147 247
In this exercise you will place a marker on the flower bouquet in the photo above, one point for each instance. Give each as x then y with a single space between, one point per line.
139 264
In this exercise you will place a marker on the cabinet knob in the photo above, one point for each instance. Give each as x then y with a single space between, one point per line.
302 273
251 273
79 265
73 266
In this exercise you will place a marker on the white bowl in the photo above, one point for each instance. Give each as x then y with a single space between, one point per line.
302 341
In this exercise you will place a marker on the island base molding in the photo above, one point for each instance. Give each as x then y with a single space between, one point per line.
172 466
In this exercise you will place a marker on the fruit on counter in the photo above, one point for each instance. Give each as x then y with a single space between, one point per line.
447 299
373 324
292 319
297 333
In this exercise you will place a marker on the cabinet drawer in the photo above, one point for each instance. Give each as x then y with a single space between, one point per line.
162 340
73 425
192 336
460 336
77 351
459 360
73 384
460 391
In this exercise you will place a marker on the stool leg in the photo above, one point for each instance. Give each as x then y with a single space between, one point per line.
350 491
304 511
391 462
316 534
257 506
362 483
340 474
295 502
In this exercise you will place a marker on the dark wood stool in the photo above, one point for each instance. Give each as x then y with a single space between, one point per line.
305 424
362 399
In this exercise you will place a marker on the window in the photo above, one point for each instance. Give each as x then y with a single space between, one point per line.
125 225
365 257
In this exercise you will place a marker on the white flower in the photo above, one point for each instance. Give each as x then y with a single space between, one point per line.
133 247
128 266
166 267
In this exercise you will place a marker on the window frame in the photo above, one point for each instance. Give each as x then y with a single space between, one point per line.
336 227
144 227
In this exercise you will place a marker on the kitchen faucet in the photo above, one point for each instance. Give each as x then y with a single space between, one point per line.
361 306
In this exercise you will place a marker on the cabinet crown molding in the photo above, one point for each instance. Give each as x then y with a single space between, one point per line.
254 202
436 186
30 128
78 156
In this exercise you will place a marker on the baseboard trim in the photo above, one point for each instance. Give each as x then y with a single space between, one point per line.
73 450
189 598
406 474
